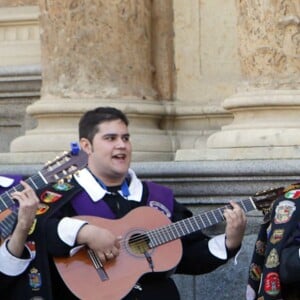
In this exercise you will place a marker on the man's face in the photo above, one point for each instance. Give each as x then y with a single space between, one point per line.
110 152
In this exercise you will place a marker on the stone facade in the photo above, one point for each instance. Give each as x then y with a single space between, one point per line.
195 83
210 88
171 93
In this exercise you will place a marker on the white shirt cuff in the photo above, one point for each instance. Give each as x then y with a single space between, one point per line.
68 229
11 265
217 247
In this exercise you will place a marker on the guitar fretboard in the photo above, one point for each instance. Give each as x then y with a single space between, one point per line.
7 202
184 227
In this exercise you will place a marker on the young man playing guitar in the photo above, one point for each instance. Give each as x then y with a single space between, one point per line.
107 260
24 266
15 255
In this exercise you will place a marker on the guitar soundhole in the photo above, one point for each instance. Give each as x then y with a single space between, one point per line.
139 243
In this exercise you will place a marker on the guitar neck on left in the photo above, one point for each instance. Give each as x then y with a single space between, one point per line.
61 168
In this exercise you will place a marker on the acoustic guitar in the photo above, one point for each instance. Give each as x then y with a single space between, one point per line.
150 243
60 168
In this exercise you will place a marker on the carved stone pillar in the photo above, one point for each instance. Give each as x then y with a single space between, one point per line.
266 107
95 54
207 71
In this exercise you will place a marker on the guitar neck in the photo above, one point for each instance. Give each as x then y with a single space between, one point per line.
36 182
63 167
7 202
199 222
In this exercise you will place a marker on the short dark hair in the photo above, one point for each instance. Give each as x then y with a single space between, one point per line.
88 123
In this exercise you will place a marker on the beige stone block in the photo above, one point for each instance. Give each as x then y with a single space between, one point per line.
19 36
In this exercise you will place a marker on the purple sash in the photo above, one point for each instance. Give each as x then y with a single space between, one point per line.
160 197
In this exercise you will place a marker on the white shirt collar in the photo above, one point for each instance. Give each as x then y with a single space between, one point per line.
97 192
6 182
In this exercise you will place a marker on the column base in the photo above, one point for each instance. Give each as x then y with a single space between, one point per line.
266 125
58 127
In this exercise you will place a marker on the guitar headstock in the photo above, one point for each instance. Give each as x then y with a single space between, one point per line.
264 200
64 166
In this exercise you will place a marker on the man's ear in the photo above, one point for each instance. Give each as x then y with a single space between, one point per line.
86 145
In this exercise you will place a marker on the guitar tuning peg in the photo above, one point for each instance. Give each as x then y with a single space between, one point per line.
61 181
75 148
47 163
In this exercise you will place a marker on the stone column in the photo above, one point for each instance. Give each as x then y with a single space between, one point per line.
95 53
266 107
206 71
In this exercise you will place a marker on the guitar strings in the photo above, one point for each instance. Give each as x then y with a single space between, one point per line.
170 232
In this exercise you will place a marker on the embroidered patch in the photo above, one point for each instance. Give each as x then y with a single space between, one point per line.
255 272
42 208
284 212
160 207
35 279
32 228
31 245
50 197
276 236
260 247
272 284
293 194
272 259
62 186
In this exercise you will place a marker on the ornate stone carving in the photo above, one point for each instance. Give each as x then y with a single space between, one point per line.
97 49
269 34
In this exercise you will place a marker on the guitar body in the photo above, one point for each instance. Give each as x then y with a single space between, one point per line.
80 275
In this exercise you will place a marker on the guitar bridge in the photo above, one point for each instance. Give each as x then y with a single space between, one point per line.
149 260
98 265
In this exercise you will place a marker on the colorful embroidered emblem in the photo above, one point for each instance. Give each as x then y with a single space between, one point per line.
255 272
50 197
35 279
160 207
62 186
272 259
272 284
293 194
32 228
284 211
42 208
260 247
276 236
